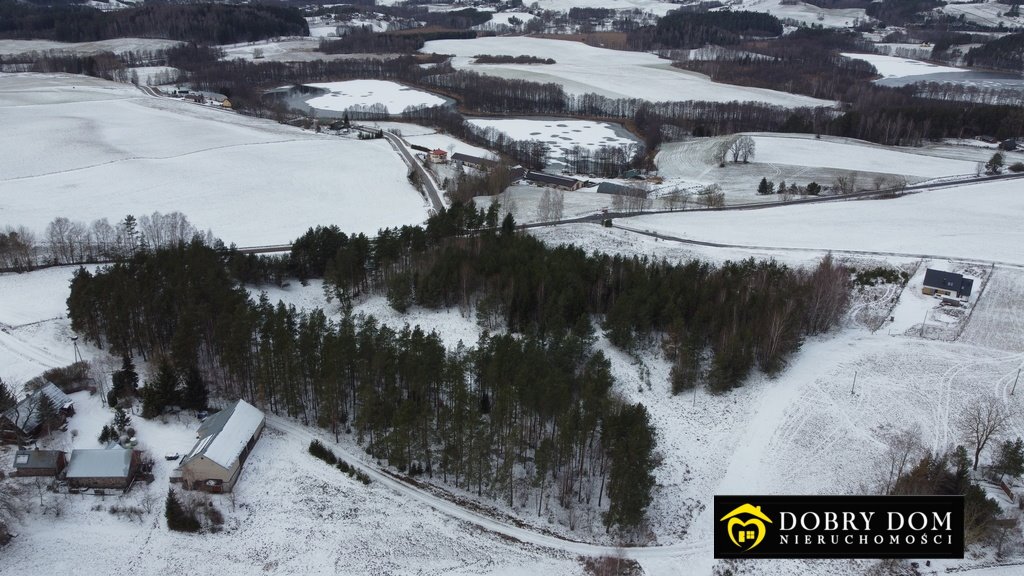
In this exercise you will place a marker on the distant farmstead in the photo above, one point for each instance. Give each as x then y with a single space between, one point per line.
438 156
113 468
946 284
225 441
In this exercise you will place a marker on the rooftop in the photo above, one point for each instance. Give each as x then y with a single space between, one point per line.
100 463
223 435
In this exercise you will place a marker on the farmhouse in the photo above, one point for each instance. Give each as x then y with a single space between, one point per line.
545 179
113 468
225 441
474 161
39 462
438 156
30 417
946 284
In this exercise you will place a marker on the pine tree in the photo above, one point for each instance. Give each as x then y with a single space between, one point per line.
121 420
46 412
195 395
764 187
179 519
125 381
630 442
1010 460
7 398
160 393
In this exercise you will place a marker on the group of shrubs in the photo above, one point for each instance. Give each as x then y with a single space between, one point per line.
317 449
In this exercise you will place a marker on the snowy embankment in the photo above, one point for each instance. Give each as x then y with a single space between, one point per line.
583 69
97 149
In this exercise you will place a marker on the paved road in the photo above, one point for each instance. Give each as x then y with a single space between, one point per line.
430 186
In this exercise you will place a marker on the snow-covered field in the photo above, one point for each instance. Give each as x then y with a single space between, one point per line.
988 13
979 222
94 149
116 45
560 135
802 158
897 67
856 155
807 14
582 69
351 93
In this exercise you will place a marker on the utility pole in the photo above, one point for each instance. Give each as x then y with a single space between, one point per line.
78 354
924 322
1015 382
854 387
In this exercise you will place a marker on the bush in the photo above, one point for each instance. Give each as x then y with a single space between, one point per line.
317 449
1016 167
179 519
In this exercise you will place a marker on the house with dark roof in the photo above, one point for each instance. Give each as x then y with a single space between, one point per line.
28 418
474 161
545 179
39 462
113 468
946 284
225 440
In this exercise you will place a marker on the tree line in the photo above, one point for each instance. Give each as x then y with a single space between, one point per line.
696 29
526 419
212 23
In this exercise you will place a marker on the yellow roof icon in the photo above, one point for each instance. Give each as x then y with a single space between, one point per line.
747 509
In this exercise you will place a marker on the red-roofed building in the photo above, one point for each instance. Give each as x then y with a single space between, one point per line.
438 156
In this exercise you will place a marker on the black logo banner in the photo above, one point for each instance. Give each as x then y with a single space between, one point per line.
839 527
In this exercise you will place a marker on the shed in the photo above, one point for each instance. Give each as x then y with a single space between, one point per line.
25 420
225 440
946 284
39 462
620 190
475 161
545 179
102 468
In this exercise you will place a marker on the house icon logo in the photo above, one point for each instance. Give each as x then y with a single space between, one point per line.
746 526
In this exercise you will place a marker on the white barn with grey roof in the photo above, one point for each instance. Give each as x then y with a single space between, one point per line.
224 442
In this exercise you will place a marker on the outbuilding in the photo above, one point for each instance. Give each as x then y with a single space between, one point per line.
39 462
113 468
225 441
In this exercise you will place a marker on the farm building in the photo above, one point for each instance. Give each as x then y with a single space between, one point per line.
438 156
545 179
30 417
39 462
474 161
946 284
113 468
620 190
225 441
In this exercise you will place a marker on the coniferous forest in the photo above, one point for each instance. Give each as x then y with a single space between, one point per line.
528 415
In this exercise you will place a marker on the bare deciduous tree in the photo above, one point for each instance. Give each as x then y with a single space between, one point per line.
903 449
983 419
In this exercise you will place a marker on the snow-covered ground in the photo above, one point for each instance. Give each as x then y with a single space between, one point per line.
94 149
856 155
802 158
115 45
582 69
351 93
560 135
973 222
988 13
807 14
156 75
897 67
